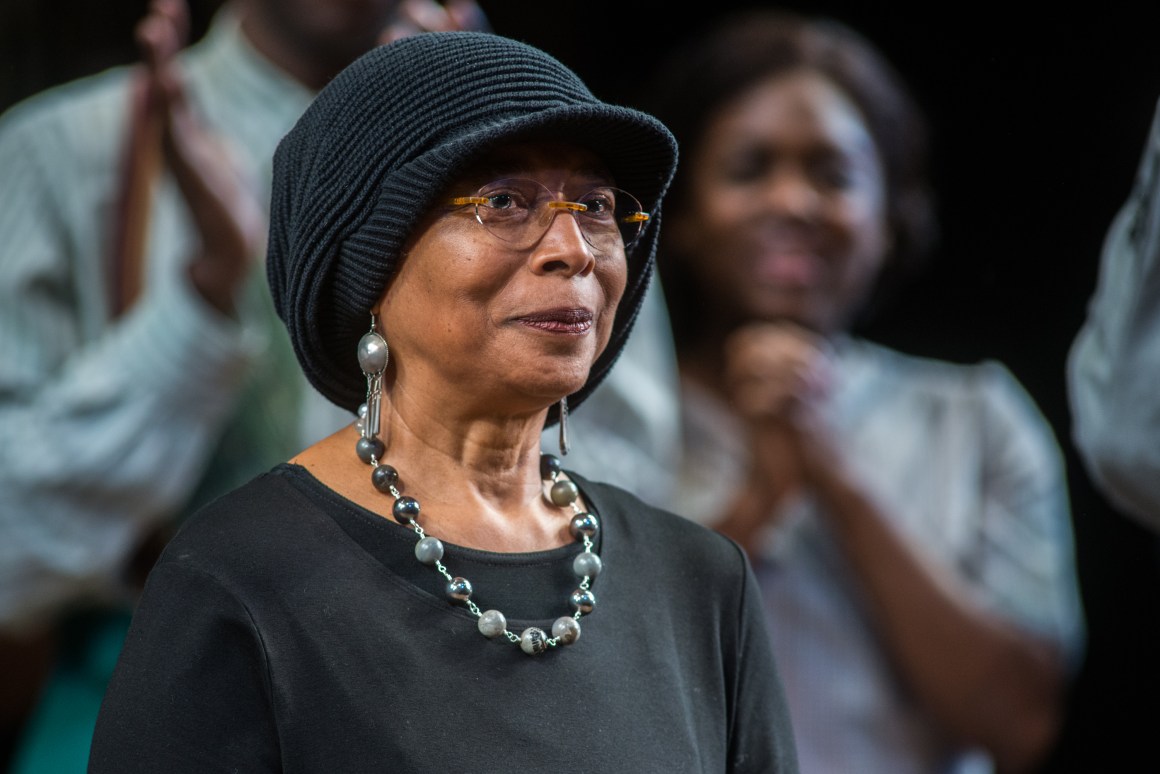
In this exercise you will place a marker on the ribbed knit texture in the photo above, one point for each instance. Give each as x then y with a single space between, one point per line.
380 142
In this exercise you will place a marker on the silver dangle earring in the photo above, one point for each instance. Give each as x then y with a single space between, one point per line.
564 426
373 356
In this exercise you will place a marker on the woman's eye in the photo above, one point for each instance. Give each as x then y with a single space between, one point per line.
834 175
744 164
500 201
599 204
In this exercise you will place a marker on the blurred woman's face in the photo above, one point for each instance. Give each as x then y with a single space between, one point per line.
785 217
335 32
515 327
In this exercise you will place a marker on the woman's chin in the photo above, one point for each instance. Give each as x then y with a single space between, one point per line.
547 394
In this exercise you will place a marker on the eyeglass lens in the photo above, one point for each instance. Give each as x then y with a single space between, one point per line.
520 211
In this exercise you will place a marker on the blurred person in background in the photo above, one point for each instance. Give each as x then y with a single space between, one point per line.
908 517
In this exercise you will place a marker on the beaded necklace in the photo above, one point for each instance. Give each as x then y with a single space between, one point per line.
560 492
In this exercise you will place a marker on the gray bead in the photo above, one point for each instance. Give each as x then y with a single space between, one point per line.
429 550
584 524
384 477
373 353
405 510
566 630
583 600
587 563
533 641
459 588
368 449
492 623
563 493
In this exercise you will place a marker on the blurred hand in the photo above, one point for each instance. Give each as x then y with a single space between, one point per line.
416 16
778 376
773 369
226 213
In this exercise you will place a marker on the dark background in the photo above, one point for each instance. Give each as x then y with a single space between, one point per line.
1038 123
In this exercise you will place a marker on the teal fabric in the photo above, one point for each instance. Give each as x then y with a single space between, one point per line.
56 739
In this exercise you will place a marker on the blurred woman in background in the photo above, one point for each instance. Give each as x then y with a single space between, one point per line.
908 517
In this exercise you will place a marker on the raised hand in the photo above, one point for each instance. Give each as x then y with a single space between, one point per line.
226 213
775 369
778 376
416 16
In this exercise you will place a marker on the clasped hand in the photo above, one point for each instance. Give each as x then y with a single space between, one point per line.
778 377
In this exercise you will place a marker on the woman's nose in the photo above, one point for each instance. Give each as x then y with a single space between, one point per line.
789 192
563 247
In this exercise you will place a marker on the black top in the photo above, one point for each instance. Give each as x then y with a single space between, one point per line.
288 629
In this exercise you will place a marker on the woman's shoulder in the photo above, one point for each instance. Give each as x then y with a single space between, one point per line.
272 518
986 378
984 394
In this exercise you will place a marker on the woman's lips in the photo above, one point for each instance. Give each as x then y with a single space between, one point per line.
788 269
570 321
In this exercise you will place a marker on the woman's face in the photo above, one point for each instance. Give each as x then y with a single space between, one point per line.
785 212
471 317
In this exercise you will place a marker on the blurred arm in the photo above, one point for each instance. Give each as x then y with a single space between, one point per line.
987 659
1114 363
104 427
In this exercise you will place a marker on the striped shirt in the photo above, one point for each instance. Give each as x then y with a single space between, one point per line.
108 428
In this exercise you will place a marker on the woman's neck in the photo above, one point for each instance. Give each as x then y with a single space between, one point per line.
477 479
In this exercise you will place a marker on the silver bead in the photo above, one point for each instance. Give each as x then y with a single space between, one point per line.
533 641
373 353
566 630
429 550
563 493
492 623
459 588
584 524
583 600
587 563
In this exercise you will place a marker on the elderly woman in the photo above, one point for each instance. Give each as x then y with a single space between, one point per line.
908 517
461 237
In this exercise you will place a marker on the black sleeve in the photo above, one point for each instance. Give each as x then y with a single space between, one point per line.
760 734
191 689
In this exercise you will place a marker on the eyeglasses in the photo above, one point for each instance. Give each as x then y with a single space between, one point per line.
519 211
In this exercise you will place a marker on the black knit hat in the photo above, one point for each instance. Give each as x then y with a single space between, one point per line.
383 139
